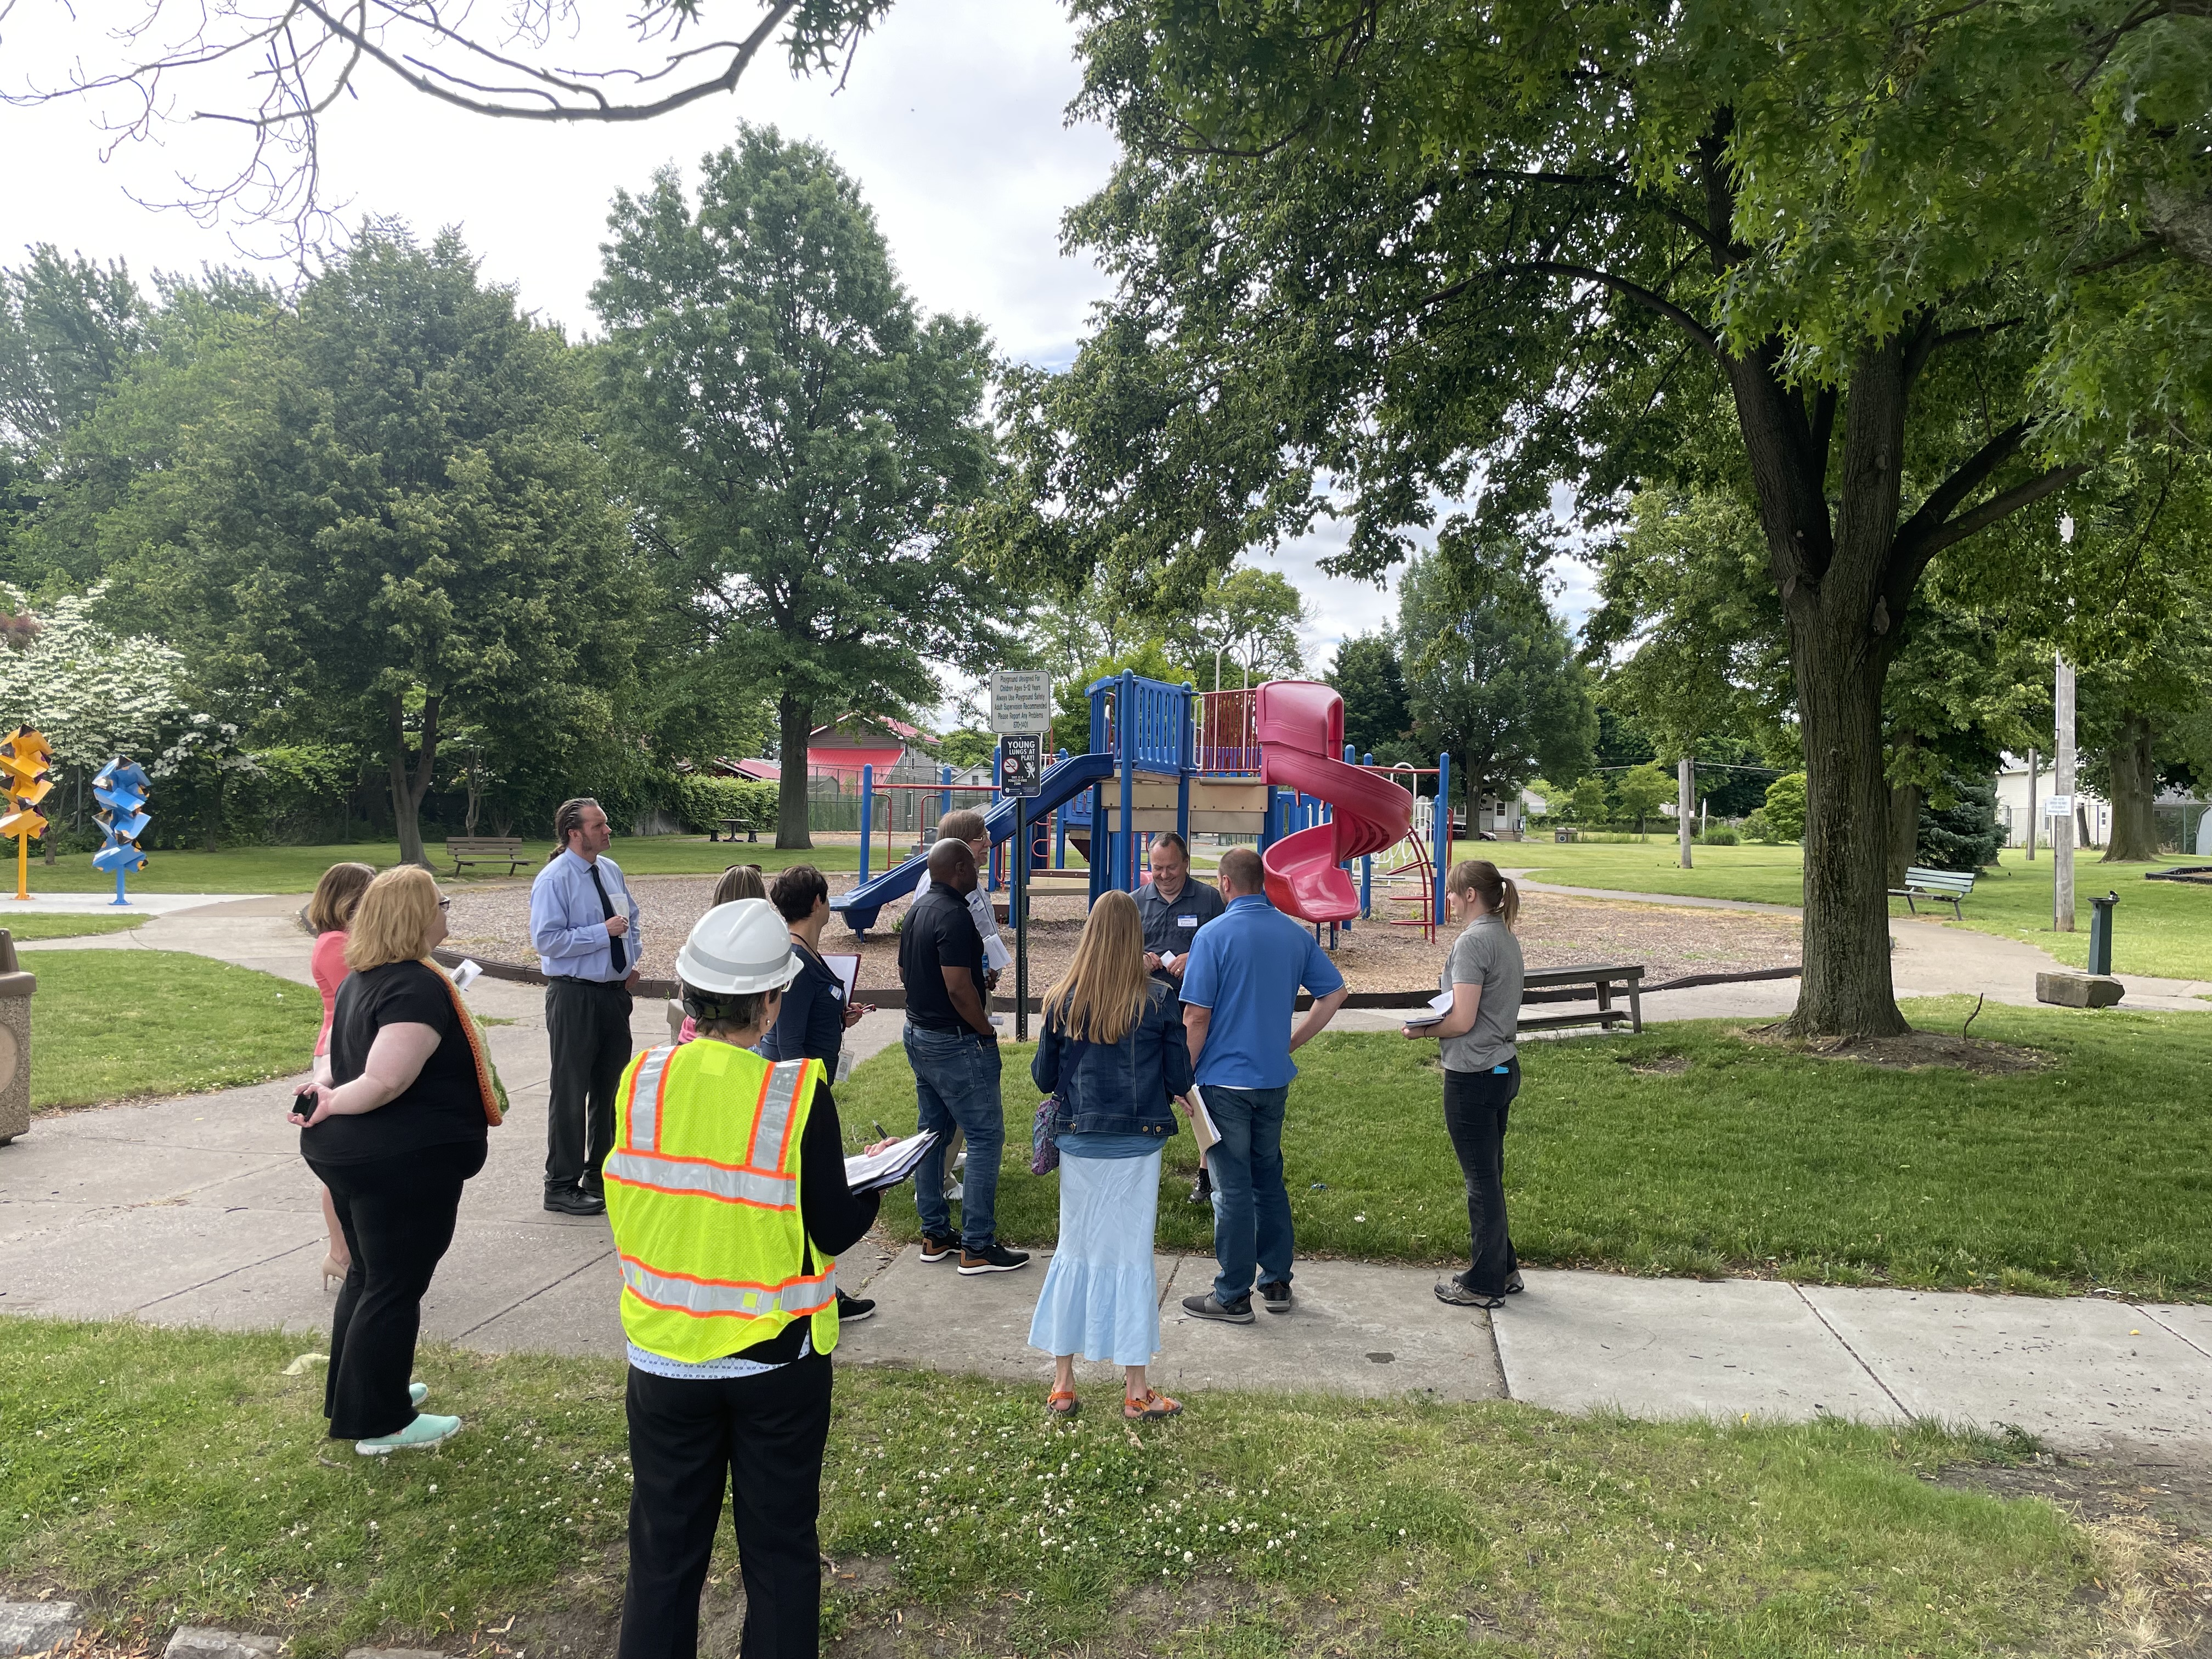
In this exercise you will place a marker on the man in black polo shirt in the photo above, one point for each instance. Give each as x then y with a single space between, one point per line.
1174 907
954 1051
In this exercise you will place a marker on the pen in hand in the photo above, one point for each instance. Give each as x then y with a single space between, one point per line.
882 1134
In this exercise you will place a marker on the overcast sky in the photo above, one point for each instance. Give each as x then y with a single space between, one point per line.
951 120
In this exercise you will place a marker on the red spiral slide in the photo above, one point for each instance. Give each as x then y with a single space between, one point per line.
1301 735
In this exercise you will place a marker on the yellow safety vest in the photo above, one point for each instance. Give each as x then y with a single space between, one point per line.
702 1193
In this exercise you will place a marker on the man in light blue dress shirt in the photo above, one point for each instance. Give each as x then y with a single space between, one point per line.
583 922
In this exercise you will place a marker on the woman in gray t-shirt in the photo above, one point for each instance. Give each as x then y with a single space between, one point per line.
1482 1072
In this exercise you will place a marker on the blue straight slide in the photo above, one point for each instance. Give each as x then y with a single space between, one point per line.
1060 784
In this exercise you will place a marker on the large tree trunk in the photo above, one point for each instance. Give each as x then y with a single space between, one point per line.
2135 787
408 790
1903 830
794 721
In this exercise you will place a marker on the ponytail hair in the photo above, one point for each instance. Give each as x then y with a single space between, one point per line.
568 818
1495 890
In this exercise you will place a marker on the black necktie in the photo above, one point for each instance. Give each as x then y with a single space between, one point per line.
607 910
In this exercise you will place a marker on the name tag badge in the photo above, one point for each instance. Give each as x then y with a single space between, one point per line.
1186 922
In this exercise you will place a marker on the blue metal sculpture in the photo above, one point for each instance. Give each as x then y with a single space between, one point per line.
121 789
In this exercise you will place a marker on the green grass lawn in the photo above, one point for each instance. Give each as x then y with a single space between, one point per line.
297 869
111 1025
23 926
1750 1158
164 1476
2161 927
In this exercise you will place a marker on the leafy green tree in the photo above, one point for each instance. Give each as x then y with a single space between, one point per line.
1491 676
1785 805
378 515
1642 789
1834 263
797 440
1250 618
1071 696
1368 675
1589 799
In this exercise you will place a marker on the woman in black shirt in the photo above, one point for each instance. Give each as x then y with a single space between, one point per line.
403 1099
811 1020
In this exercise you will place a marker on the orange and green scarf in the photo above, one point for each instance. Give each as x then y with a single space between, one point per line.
493 1091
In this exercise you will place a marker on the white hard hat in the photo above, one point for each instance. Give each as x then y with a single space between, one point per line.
738 948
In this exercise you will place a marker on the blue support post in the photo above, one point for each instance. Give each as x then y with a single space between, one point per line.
1367 876
1440 845
1125 847
867 815
1186 763
944 791
1060 833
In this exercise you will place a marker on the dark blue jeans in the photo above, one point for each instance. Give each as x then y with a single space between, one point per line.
1476 1106
956 1080
1251 1205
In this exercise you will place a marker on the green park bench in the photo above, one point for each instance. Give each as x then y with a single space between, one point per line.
486 850
1936 886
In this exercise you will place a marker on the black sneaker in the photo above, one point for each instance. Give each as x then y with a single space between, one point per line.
1201 1190
852 1309
934 1249
1513 1284
993 1259
575 1201
1275 1297
1238 1312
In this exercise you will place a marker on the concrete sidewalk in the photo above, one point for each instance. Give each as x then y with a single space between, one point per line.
198 1211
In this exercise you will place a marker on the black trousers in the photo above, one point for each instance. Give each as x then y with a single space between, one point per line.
587 1025
1475 1108
760 1437
397 1215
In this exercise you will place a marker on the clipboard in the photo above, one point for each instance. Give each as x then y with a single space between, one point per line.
846 964
1201 1123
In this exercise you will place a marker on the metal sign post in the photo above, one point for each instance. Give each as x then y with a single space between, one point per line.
1021 767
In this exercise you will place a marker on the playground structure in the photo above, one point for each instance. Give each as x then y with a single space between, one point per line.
1262 762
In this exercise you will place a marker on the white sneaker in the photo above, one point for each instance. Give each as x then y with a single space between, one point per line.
952 1191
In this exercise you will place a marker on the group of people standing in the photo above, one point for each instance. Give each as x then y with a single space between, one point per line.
719 1160
1183 994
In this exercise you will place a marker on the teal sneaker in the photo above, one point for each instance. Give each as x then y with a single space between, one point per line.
417 1393
425 1431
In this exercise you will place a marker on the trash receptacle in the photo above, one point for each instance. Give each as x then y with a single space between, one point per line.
2100 933
16 988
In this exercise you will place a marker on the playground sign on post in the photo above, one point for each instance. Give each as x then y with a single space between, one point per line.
1021 701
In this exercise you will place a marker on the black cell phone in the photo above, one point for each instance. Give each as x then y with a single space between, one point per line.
303 1102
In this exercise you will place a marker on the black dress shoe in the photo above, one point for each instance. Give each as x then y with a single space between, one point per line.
575 1201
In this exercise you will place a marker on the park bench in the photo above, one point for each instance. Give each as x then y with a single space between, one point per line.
1579 984
486 850
1937 886
730 828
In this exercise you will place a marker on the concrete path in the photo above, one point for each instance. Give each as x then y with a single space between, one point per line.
142 904
197 1211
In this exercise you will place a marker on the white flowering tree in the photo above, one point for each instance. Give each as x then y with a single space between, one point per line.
93 692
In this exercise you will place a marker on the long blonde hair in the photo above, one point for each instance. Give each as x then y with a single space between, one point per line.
1495 889
391 918
1105 988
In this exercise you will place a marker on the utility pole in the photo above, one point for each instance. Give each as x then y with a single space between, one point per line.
2033 762
2062 822
1686 804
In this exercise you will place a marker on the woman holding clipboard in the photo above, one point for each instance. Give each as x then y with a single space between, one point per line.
1482 1069
816 1011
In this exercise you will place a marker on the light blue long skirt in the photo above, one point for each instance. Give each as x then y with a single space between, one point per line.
1100 1298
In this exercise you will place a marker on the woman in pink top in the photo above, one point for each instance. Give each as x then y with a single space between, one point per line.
328 912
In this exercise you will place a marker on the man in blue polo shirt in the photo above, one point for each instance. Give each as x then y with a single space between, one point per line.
1240 990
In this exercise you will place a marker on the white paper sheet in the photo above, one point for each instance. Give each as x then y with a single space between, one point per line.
867 1171
1440 1004
846 964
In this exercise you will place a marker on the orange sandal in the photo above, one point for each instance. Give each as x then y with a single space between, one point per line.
1053 1404
1154 1405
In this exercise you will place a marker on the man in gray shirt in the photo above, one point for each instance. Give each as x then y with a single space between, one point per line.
1482 1071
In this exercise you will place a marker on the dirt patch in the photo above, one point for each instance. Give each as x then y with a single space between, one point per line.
2149 1515
1656 1065
1912 1051
493 924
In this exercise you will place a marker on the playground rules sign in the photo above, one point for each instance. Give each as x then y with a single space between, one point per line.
1021 701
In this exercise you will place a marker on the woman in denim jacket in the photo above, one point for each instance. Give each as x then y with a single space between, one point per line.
1116 1061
